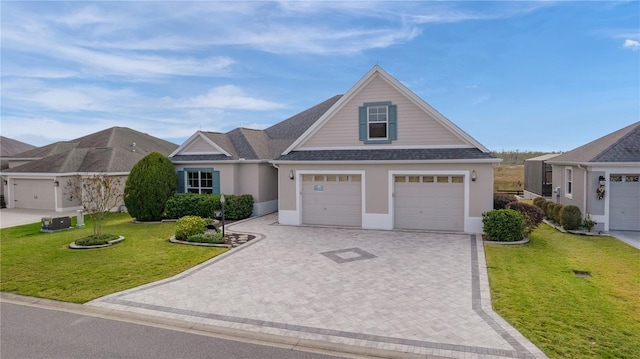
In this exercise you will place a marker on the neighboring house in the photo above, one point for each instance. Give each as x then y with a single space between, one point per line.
38 178
8 148
538 176
602 179
376 157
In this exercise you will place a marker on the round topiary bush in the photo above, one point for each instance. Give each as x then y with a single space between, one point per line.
503 225
500 200
570 217
188 226
544 207
150 184
532 215
538 201
556 212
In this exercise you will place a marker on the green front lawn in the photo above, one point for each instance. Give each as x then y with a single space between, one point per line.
533 287
41 265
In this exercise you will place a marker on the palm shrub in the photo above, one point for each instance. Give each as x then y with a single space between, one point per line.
188 226
532 215
151 183
500 200
503 225
570 217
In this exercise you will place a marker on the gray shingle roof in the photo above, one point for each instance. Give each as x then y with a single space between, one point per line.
9 146
388 155
619 146
110 150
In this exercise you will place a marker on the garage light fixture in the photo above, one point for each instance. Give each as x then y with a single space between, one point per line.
291 175
5 182
474 176
56 183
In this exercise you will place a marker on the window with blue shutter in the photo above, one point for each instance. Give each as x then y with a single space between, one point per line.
378 122
199 180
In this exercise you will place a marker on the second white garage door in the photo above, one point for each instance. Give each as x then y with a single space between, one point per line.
429 202
334 200
624 207
34 193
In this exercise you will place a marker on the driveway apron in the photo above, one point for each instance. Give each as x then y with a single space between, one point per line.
416 292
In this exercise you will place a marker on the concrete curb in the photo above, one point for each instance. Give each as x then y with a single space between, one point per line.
305 345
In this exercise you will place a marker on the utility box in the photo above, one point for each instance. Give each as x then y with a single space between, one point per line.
56 224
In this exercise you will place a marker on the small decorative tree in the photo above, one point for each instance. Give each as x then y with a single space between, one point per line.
150 184
97 194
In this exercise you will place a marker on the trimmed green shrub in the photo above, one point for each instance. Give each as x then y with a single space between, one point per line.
556 212
3 203
538 201
96 240
570 217
192 204
213 238
238 206
188 226
548 212
150 184
500 200
544 207
532 215
503 225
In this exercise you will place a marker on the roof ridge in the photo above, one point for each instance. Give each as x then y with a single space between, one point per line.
246 140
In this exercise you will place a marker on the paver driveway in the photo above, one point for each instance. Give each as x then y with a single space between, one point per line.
424 293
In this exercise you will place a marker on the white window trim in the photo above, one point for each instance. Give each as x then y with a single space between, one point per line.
188 187
568 183
369 138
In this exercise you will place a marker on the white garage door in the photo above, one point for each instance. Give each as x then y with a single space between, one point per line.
34 193
429 202
334 200
624 204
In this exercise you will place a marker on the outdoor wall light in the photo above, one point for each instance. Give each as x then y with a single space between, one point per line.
291 175
474 176
56 183
5 182
601 180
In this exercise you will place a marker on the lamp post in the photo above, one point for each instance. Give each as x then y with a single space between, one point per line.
222 200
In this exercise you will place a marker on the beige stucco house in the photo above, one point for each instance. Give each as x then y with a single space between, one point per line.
37 179
602 178
376 157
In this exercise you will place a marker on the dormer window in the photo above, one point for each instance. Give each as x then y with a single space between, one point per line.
378 122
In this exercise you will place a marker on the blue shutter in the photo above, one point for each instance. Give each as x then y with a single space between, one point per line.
393 122
362 117
181 188
216 182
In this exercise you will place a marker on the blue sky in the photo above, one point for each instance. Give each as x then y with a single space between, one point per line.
546 76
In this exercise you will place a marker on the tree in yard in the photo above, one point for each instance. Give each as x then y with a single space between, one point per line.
151 182
97 194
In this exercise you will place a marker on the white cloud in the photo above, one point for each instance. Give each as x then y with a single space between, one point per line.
228 97
631 44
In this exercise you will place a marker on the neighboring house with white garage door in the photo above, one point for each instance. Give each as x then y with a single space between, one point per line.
37 178
376 157
602 178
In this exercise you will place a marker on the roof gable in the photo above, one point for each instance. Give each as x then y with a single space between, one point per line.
621 146
381 80
200 143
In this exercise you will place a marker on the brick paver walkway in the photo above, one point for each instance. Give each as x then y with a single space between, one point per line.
424 293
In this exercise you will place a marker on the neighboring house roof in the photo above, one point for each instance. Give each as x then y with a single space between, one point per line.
9 146
114 150
622 146
548 156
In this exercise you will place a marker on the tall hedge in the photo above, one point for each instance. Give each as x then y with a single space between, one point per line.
503 225
205 205
151 183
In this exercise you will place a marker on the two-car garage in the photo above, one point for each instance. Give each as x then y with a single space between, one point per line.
418 201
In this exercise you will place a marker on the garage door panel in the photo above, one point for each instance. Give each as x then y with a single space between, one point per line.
429 205
33 194
334 203
624 208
